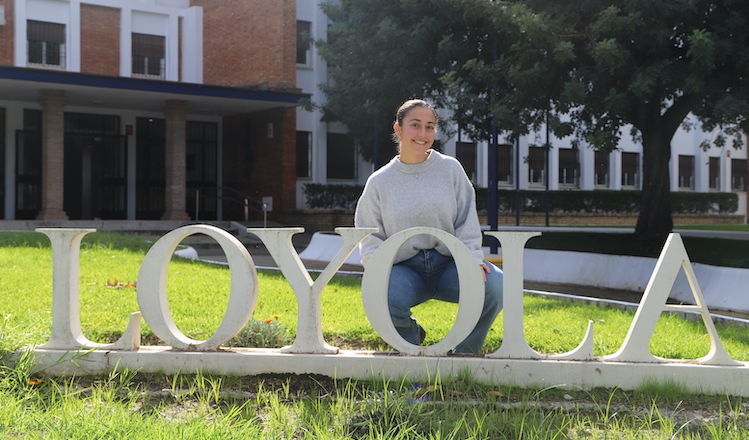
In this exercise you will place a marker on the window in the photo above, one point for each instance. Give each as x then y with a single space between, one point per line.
303 35
738 174
630 170
149 55
569 167
601 171
46 44
714 171
466 152
537 165
341 157
686 172
303 154
504 164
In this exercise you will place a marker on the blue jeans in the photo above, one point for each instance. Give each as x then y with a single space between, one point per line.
431 275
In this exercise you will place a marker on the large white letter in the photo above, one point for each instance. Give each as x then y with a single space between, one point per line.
309 337
152 295
636 346
66 312
375 292
514 345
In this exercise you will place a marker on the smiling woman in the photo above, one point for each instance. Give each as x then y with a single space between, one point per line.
415 129
422 187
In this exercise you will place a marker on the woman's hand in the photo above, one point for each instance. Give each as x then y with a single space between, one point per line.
485 270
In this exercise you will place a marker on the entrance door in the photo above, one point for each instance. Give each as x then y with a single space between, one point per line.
28 174
95 177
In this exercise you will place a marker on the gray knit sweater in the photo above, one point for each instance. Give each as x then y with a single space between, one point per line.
435 193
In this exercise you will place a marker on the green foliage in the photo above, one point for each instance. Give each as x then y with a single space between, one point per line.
704 203
331 196
607 202
124 405
600 65
713 251
268 333
337 196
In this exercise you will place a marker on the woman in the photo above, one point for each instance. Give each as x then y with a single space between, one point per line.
422 187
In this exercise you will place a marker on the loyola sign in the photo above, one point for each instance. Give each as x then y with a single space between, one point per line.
516 363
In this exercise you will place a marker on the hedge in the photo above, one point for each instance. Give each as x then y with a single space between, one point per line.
332 196
341 196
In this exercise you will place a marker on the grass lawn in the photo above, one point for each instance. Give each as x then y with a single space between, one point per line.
198 296
713 251
128 405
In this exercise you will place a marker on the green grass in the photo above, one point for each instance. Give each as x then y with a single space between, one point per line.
198 296
735 228
133 406
712 251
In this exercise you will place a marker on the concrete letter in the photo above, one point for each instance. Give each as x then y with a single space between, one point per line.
514 345
309 337
375 289
636 346
66 312
152 295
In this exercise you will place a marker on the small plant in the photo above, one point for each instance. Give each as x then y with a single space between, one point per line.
268 333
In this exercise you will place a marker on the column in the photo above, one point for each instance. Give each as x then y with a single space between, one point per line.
53 157
176 160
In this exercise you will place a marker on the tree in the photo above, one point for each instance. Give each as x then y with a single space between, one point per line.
597 66
649 64
382 52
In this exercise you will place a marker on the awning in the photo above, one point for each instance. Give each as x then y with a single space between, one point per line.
110 92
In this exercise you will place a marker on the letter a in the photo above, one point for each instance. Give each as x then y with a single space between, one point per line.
636 346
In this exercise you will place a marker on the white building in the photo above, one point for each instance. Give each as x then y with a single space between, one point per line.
324 156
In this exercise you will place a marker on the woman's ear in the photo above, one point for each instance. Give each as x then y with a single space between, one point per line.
397 129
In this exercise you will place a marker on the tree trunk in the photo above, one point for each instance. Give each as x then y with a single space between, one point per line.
655 221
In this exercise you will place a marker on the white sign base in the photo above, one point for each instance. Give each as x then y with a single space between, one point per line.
366 365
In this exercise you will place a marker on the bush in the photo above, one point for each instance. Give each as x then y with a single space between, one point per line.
606 202
332 196
263 334
340 196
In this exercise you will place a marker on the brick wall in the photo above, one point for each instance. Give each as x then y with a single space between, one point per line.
100 40
6 34
249 42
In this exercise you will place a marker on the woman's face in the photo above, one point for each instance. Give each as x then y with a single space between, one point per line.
416 134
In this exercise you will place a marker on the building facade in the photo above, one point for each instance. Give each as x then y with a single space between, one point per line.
325 155
147 109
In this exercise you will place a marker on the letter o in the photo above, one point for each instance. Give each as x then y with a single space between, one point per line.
375 290
152 296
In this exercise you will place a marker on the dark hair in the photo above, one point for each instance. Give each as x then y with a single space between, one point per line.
407 107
